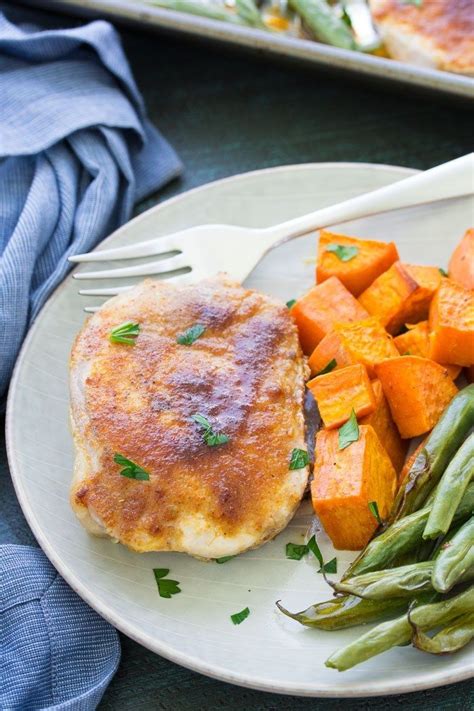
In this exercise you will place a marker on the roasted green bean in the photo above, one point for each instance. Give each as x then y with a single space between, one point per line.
440 447
451 638
402 536
323 22
451 488
455 559
249 13
399 631
203 9
404 581
346 611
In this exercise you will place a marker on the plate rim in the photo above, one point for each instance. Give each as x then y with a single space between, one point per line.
361 690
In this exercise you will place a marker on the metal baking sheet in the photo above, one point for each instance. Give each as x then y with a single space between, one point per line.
386 70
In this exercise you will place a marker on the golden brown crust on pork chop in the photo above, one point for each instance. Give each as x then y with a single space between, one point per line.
438 33
245 374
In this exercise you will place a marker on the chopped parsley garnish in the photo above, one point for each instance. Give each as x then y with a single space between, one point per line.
345 17
343 252
299 459
166 586
188 337
295 551
374 510
330 566
125 333
417 3
327 368
239 617
224 559
210 437
314 548
349 432
291 303
130 470
442 271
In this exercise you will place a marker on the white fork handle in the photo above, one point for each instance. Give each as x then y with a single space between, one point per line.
449 180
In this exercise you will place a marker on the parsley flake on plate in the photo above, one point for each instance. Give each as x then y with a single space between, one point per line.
349 432
166 586
291 303
327 368
329 567
210 437
299 459
125 333
374 510
343 252
295 551
224 559
188 337
314 548
239 617
442 271
130 469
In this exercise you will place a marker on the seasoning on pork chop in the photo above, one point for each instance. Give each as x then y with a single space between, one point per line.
184 431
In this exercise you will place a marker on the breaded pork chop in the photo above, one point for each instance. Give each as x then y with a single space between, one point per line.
431 33
245 374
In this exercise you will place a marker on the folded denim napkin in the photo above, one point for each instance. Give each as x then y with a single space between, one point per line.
57 653
76 152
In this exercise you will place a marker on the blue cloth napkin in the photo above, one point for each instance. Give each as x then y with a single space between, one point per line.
56 652
76 152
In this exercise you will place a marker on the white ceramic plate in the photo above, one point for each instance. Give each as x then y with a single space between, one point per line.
267 651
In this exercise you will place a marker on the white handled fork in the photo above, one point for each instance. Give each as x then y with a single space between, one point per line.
208 249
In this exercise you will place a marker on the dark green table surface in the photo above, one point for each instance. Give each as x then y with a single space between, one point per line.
228 113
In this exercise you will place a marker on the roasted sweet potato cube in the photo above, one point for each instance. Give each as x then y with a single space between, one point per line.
357 273
340 392
451 324
461 265
417 390
428 280
346 481
385 428
320 308
416 342
365 342
401 295
332 347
